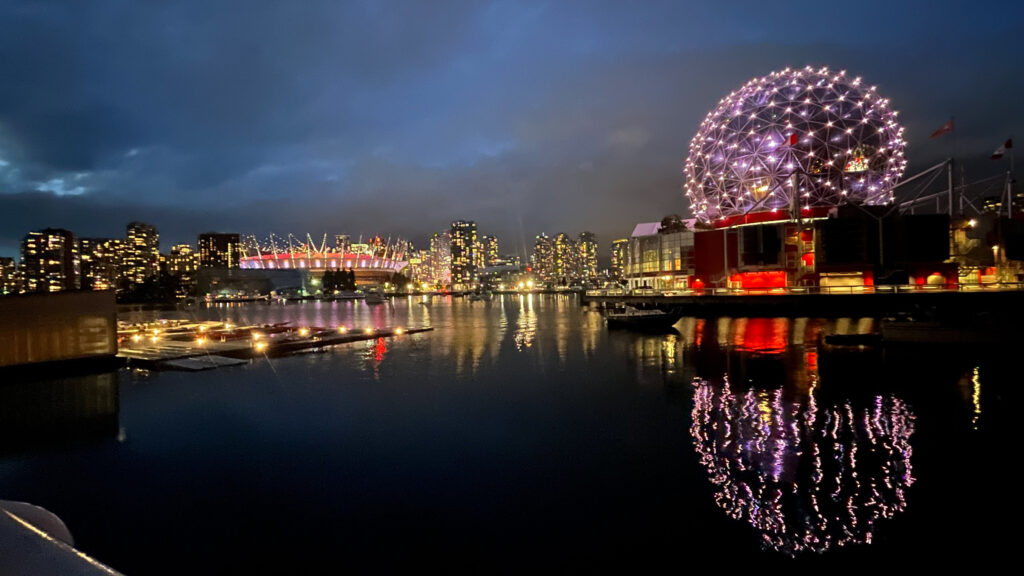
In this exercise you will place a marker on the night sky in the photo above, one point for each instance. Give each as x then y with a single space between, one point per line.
395 118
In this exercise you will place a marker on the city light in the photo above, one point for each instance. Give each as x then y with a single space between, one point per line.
261 346
369 330
807 134
398 330
342 329
303 331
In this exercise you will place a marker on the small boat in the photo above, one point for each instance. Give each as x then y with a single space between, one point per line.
374 296
642 319
854 340
479 296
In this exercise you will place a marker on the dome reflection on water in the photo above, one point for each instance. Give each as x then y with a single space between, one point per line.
811 462
809 465
806 475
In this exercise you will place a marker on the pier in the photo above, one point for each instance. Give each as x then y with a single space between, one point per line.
200 346
794 302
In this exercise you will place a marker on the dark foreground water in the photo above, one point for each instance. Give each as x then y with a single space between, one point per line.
522 435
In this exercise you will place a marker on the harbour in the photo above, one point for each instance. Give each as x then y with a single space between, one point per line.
533 434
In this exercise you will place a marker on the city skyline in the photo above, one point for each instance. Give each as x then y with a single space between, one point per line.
526 120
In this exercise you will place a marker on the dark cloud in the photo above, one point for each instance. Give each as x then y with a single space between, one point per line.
396 118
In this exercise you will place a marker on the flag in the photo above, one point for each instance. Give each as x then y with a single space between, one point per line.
947 127
792 139
1002 149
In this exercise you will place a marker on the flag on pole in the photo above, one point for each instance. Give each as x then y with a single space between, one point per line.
1002 149
947 127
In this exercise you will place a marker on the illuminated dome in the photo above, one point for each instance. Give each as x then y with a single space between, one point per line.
793 140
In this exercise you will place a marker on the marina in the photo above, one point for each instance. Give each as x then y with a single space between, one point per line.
164 344
529 431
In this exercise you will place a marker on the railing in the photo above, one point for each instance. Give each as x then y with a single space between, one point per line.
882 289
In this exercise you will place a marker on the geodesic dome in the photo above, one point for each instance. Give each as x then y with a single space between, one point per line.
792 142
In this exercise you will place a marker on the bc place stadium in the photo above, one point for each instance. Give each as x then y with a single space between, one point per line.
374 261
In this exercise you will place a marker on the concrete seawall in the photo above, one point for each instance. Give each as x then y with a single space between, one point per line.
955 303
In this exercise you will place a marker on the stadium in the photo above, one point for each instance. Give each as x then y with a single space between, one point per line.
374 262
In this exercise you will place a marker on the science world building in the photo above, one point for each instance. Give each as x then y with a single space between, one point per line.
794 144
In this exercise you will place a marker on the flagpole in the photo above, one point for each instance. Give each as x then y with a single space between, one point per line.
952 164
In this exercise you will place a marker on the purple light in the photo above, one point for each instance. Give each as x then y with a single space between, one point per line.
735 150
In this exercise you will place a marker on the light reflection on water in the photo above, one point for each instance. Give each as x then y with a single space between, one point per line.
527 409
806 476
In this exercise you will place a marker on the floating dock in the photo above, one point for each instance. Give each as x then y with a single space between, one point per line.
202 346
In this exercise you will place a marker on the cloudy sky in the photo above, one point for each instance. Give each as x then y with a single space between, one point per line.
395 118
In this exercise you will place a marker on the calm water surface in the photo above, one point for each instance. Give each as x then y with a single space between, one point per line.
521 435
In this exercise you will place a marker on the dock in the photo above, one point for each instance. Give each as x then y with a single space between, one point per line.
793 303
202 346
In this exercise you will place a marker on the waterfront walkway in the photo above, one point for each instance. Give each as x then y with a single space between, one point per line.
878 301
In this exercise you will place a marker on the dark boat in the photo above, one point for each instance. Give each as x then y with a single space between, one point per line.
642 319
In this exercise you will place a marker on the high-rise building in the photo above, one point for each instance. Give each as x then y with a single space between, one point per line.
543 258
565 269
478 255
489 248
441 259
8 277
49 261
619 253
463 249
101 261
587 246
141 254
183 262
219 250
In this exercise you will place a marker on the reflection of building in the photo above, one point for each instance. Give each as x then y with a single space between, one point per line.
806 475
49 261
141 256
660 255
219 250
463 250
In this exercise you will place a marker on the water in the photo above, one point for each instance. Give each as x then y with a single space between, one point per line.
521 435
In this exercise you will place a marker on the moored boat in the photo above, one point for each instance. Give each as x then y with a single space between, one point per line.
374 296
642 319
